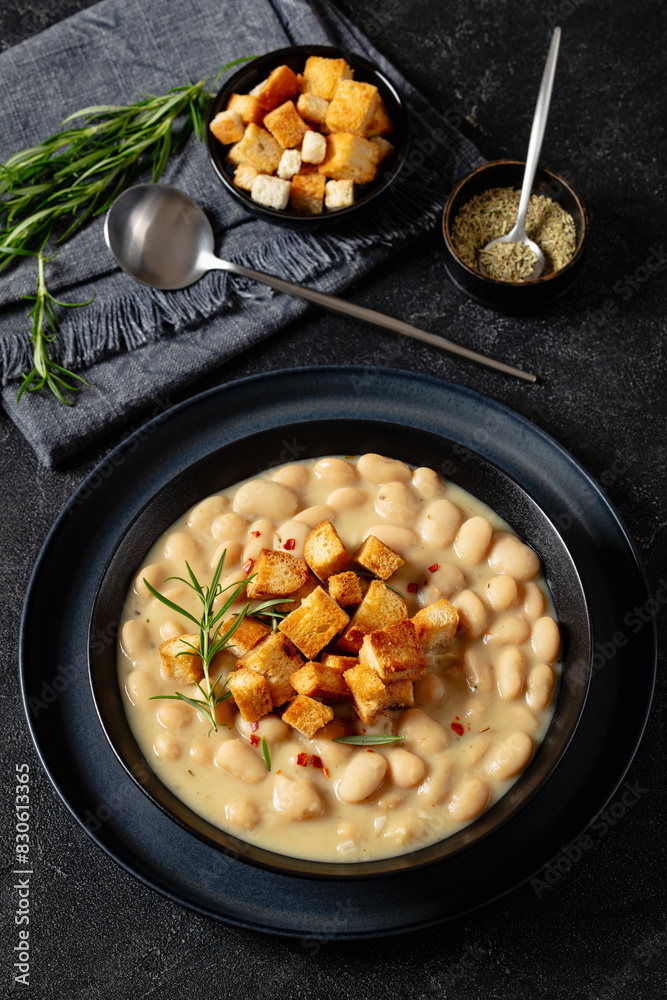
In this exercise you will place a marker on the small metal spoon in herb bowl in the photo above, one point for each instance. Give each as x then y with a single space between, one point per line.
518 233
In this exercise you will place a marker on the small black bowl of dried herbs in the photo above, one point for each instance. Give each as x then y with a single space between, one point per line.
484 206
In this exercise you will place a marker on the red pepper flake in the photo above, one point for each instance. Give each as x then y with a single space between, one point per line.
348 731
433 568
368 750
290 543
255 534
317 762
254 726
458 718
413 588
254 740
458 728
247 566
302 759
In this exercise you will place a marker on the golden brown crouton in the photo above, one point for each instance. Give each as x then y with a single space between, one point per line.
321 76
307 715
339 663
394 653
252 694
380 123
295 599
368 694
314 623
401 694
286 125
349 158
345 588
257 147
179 661
248 107
278 574
307 194
312 108
385 150
436 626
244 176
318 681
324 552
227 126
378 557
352 107
274 658
379 608
281 85
247 635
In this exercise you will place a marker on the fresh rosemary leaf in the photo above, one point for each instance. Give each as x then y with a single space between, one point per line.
367 740
265 753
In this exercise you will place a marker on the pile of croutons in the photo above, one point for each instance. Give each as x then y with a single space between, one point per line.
337 644
306 140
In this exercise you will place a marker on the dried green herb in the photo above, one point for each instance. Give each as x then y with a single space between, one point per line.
367 740
509 261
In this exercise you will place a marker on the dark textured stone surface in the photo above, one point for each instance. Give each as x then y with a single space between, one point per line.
601 930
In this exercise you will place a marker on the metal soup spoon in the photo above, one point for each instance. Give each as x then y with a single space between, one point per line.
161 237
518 233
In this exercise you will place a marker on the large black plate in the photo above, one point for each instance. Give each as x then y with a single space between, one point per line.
135 833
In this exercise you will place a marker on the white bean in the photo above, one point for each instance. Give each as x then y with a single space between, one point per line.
511 672
166 747
478 671
406 768
472 615
233 551
364 773
296 800
430 690
230 526
474 750
260 536
469 798
335 471
242 813
509 555
134 638
441 522
448 579
330 752
427 483
421 732
473 539
201 751
524 719
539 686
170 629
154 573
270 727
175 715
533 600
312 516
202 516
291 532
138 686
180 546
510 757
399 539
294 477
397 503
262 497
241 761
435 786
508 630
399 829
501 592
545 639
378 469
346 498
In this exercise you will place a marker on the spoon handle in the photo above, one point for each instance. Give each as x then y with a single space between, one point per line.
537 130
372 317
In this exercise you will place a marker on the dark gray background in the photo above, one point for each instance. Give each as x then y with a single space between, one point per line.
601 931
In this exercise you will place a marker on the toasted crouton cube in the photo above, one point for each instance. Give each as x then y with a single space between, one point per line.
276 659
436 626
401 694
290 164
271 192
349 158
338 194
247 635
324 552
178 659
385 150
244 176
345 588
318 681
277 574
352 107
378 557
307 715
321 76
312 108
368 695
307 194
314 147
339 663
394 653
295 599
286 125
252 694
281 85
248 107
380 124
379 608
314 624
227 127
259 148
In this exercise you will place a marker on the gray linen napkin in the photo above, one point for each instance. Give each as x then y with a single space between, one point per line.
135 345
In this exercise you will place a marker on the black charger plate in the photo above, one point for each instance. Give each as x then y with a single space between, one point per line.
145 842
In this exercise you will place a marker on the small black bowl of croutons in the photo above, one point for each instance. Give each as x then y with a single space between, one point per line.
306 134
